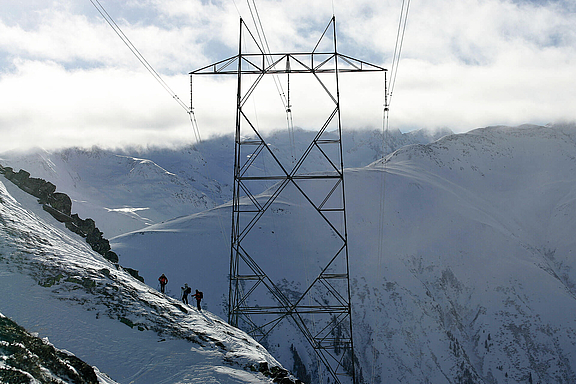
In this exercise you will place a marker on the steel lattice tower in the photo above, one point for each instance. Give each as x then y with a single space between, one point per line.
258 300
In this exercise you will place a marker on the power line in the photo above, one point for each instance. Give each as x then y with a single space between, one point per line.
398 49
268 56
146 64
389 85
264 42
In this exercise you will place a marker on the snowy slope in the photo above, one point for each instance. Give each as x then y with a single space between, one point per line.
477 259
462 258
462 254
120 191
129 189
51 283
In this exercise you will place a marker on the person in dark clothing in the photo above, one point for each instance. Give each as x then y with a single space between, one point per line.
198 295
163 281
186 290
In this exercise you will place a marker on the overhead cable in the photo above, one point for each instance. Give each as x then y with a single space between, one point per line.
264 43
398 49
145 63
268 55
388 91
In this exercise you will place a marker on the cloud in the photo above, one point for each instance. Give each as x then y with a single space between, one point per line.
68 79
43 104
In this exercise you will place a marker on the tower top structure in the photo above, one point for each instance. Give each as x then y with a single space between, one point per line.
278 274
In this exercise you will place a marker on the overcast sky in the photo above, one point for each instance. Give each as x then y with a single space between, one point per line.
67 79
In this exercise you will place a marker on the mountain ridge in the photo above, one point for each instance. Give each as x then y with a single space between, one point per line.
464 252
114 187
462 259
47 273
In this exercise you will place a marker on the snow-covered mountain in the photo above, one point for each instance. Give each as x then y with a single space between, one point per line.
461 251
53 284
129 189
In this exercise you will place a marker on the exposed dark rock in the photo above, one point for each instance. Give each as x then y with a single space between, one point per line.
279 375
26 353
97 241
61 202
87 228
36 187
263 367
84 226
59 205
106 272
60 216
74 228
181 308
134 273
112 257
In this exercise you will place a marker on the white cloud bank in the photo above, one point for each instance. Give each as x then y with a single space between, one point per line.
67 79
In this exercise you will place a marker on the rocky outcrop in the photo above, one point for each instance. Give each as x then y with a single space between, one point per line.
277 374
61 202
36 187
59 205
87 229
26 358
134 273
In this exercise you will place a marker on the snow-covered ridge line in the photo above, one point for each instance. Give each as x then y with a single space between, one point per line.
131 188
68 272
59 205
463 272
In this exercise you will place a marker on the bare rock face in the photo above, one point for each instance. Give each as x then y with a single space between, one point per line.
26 356
61 202
36 187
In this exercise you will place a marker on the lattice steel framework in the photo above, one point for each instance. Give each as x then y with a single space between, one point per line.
322 311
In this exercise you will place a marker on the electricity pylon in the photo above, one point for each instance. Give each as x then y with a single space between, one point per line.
258 298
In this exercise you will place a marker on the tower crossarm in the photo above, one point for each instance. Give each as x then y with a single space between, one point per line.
314 62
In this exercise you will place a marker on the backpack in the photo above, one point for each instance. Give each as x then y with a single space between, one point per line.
187 291
200 295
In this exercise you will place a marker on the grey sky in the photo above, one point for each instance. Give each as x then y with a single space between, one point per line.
67 79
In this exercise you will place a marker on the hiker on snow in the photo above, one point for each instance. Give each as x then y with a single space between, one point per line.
163 281
186 290
198 295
